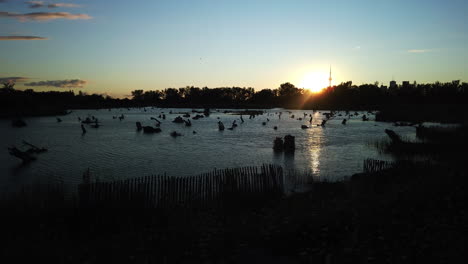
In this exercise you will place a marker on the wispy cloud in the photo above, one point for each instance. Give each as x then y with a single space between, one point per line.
35 4
419 50
40 4
21 38
60 83
62 5
44 16
13 79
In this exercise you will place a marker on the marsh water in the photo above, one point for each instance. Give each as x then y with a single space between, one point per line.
116 150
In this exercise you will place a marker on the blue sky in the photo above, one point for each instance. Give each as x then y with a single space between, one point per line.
118 46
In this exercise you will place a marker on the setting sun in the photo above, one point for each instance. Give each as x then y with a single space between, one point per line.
315 81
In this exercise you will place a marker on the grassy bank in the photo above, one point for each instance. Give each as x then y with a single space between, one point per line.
406 214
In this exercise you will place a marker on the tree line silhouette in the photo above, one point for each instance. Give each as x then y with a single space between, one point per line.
344 96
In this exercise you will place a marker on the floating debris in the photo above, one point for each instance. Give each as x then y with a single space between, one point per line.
150 129
87 121
139 127
34 149
95 124
329 115
22 155
175 134
220 126
198 117
178 120
26 156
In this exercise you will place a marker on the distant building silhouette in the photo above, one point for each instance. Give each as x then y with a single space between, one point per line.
393 87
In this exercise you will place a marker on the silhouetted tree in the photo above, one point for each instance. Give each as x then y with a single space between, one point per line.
137 95
9 85
287 89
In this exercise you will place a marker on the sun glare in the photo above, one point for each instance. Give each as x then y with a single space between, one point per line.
315 81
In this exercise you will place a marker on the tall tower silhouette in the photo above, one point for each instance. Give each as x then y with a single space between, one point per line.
330 79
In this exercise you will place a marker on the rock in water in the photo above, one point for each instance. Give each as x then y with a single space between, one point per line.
278 144
289 143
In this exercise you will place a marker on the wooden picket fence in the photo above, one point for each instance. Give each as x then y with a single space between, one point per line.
216 188
372 165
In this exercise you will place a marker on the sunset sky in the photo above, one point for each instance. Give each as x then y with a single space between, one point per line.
117 46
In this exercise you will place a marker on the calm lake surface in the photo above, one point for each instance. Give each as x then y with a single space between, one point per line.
117 151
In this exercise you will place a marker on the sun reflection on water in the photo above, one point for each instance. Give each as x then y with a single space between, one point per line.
315 139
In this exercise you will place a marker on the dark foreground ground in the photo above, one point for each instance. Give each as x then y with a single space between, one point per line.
408 214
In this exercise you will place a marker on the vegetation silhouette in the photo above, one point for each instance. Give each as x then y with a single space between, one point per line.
345 96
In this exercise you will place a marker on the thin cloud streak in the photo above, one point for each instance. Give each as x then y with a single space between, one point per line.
419 50
13 79
44 16
62 5
76 83
40 4
35 4
21 38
